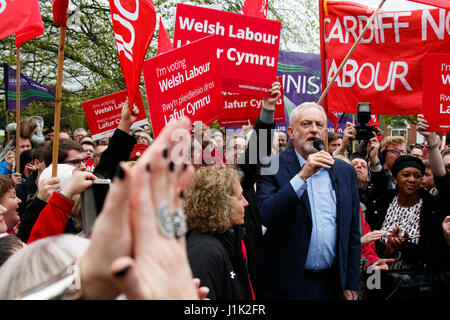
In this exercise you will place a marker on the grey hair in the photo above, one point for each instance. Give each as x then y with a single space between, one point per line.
296 110
39 262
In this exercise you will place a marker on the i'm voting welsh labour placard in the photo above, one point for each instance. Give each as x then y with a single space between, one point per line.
103 114
247 47
184 82
436 91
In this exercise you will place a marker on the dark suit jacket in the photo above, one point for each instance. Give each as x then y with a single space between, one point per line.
278 272
261 137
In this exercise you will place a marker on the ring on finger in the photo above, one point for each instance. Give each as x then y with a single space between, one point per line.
164 220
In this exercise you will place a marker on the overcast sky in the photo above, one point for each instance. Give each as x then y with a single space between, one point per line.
390 5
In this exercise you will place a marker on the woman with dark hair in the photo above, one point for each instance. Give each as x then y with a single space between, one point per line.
411 217
214 210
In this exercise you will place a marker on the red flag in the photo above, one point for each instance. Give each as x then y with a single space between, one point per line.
330 115
22 17
164 43
255 8
60 12
436 3
134 24
374 122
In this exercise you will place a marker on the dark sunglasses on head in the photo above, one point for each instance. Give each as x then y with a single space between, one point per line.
75 161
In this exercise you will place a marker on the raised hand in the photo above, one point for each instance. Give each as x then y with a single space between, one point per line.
159 268
128 116
80 181
275 94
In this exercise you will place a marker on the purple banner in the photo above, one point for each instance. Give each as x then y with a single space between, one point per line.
30 90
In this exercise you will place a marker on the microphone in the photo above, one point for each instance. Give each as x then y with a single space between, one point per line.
318 144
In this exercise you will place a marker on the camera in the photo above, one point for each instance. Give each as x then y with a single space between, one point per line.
92 200
363 131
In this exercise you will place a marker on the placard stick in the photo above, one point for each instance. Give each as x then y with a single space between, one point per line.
17 109
350 52
62 37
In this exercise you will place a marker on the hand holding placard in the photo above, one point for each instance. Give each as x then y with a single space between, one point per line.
128 116
182 83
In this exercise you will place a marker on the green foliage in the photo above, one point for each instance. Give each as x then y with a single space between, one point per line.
397 121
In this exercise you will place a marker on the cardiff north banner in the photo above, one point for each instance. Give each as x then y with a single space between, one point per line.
247 47
103 114
30 90
182 82
436 92
386 67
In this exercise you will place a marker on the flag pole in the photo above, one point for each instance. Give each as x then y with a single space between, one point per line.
17 108
6 80
62 37
351 51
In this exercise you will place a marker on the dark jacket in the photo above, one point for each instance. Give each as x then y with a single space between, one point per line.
28 187
217 260
279 270
119 149
34 206
252 225
431 252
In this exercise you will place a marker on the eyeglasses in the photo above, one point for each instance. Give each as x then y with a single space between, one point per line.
397 151
75 162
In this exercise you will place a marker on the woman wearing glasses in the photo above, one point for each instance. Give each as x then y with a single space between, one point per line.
391 148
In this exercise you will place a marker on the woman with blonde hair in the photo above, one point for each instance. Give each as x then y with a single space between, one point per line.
214 210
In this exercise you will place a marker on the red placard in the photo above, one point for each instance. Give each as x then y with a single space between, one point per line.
239 109
247 46
184 82
436 91
103 114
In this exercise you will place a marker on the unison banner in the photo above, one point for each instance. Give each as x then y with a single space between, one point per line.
247 47
184 82
30 90
103 114
300 73
386 67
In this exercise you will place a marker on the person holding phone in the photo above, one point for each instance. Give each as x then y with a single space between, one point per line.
53 218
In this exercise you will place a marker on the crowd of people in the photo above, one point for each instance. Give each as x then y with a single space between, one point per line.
255 215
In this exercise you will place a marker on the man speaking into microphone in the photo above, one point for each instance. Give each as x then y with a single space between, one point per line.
310 207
